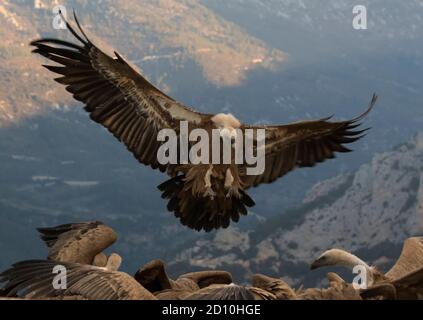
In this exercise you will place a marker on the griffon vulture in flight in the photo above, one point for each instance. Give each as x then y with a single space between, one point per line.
202 196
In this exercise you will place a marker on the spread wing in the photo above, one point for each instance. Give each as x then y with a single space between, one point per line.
230 292
411 259
77 242
304 144
114 94
410 286
407 287
34 280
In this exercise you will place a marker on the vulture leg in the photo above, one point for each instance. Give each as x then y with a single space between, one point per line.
207 184
229 185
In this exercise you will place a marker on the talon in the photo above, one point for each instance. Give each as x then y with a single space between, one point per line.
207 184
229 180
209 193
232 192
229 193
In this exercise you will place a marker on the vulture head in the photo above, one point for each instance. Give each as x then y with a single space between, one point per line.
341 258
227 125
337 257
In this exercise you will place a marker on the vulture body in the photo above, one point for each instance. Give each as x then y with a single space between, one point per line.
203 196
154 278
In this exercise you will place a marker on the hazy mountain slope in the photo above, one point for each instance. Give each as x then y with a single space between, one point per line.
171 33
326 25
370 212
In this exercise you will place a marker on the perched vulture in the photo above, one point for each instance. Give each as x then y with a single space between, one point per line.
80 243
406 269
203 195
34 280
342 258
154 278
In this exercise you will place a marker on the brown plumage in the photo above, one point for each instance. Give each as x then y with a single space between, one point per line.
154 278
408 287
339 292
335 280
339 257
230 292
278 287
33 280
79 242
262 288
338 289
410 260
203 197
403 281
